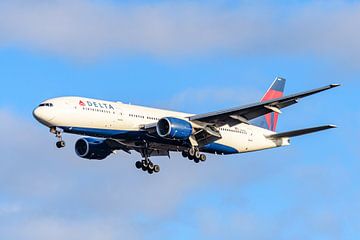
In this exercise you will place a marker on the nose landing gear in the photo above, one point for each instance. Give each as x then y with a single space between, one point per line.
58 134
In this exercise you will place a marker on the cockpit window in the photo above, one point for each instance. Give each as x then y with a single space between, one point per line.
46 105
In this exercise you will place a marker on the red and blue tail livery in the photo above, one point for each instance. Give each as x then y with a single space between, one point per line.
276 90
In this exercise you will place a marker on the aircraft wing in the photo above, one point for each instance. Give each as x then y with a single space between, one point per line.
245 113
155 149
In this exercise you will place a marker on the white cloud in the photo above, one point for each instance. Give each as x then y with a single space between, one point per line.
43 228
87 29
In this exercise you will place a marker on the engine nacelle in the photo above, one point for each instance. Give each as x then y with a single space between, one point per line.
174 128
92 148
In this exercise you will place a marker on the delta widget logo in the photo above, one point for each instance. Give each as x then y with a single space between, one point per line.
96 105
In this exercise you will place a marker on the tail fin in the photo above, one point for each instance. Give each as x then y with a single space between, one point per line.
276 90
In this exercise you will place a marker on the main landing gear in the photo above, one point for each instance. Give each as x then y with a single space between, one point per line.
60 143
147 165
194 154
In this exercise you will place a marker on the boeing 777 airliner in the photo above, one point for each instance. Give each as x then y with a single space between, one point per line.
110 126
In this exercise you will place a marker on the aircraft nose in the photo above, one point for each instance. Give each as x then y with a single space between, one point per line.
42 115
36 113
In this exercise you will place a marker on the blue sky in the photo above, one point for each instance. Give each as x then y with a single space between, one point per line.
191 56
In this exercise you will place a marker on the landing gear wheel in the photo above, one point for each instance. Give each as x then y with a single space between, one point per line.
144 164
197 155
202 157
138 164
151 166
192 152
185 154
156 168
196 160
60 144
150 171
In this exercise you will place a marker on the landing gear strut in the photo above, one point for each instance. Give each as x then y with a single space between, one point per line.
194 154
146 164
60 143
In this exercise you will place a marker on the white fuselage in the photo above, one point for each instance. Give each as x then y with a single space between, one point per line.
86 113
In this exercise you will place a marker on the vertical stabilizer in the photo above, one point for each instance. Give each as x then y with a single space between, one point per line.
276 90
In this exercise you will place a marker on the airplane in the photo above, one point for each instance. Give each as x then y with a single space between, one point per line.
111 126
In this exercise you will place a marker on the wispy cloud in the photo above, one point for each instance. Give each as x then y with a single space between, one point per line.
42 228
88 29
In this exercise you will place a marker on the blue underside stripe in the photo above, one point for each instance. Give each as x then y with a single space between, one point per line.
219 148
95 131
135 135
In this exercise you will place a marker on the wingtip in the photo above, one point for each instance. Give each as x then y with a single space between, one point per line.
332 126
335 85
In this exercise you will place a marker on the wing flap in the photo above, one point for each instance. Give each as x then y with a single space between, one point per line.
117 145
300 132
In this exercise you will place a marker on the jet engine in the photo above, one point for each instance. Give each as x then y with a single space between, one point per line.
174 128
92 148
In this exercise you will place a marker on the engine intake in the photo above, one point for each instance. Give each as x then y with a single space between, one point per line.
92 148
174 128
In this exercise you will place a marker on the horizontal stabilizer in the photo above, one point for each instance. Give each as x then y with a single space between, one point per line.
301 131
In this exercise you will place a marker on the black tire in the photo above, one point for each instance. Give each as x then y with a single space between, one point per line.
150 171
151 166
185 154
196 160
156 168
138 165
144 164
203 157
60 144
197 155
192 152
190 157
